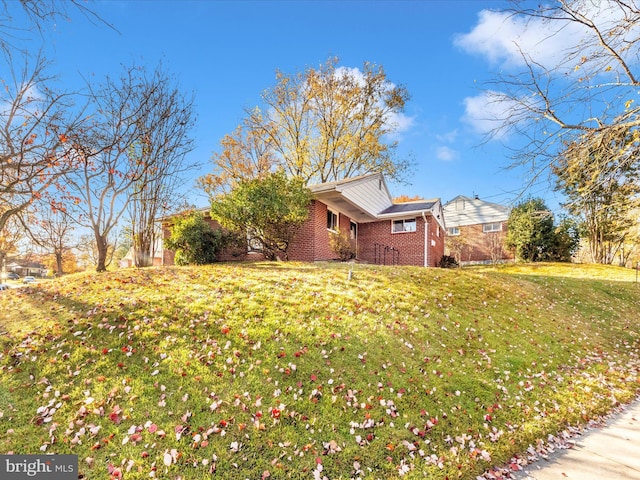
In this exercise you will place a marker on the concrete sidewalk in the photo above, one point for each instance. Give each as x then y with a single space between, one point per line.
610 452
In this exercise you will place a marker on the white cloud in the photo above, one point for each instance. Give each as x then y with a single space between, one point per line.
446 154
448 137
500 37
485 114
401 122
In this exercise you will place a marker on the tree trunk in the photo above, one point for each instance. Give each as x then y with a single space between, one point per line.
103 246
59 263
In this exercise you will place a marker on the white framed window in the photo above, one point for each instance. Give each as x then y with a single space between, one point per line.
438 231
332 221
401 226
453 231
492 227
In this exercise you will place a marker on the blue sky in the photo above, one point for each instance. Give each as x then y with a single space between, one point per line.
226 53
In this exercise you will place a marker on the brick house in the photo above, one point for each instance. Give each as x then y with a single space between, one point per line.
380 231
476 230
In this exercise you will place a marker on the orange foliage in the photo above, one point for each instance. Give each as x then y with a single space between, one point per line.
406 198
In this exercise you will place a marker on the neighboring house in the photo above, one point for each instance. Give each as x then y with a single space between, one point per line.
26 268
476 230
381 231
158 258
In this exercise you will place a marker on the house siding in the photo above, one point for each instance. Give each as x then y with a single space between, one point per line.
371 194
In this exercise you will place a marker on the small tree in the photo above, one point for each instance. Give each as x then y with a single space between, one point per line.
530 232
601 186
494 243
341 245
194 241
133 152
566 240
269 210
52 230
457 246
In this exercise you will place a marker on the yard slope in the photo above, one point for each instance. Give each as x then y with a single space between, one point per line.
289 370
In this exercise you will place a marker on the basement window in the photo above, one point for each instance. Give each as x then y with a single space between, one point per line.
492 227
400 226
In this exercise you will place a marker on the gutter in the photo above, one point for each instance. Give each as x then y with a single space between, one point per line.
426 238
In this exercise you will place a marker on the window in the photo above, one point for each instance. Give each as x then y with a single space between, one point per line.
332 220
453 231
353 230
492 227
438 232
404 226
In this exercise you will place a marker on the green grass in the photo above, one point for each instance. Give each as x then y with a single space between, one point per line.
286 368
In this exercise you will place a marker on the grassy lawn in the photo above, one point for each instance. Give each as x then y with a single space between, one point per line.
289 370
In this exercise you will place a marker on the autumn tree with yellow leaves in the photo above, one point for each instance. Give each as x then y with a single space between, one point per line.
322 124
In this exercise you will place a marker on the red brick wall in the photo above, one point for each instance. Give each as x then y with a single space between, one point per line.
409 245
479 245
437 237
311 242
168 256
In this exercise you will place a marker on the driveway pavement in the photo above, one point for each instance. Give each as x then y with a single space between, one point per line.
609 452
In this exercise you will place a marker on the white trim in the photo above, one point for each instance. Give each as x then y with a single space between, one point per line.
493 230
353 222
403 220
337 214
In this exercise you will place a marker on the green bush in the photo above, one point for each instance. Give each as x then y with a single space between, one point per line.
447 261
341 245
194 241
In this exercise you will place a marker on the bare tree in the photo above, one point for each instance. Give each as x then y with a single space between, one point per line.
457 246
35 133
52 230
88 251
23 17
494 244
163 147
10 236
584 93
134 126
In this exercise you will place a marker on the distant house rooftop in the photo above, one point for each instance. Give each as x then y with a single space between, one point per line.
462 211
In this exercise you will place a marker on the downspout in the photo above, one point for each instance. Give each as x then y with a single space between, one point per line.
426 239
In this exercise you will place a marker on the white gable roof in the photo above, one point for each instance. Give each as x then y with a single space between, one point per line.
362 198
366 199
462 211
